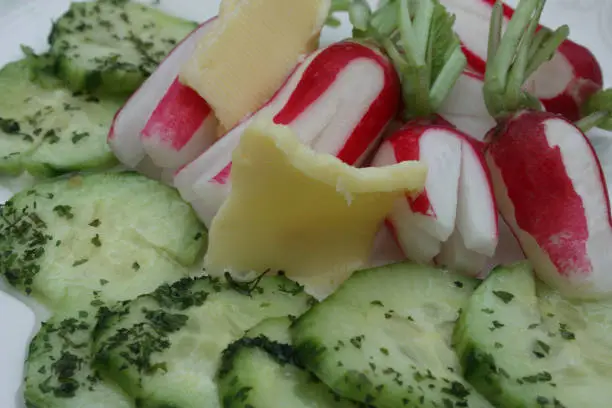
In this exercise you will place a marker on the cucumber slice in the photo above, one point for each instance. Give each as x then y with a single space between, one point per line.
46 129
384 338
260 371
522 345
76 242
164 349
113 46
59 373
274 329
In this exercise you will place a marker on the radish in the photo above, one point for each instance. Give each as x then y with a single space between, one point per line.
563 83
338 101
456 212
476 233
164 121
442 215
433 211
547 178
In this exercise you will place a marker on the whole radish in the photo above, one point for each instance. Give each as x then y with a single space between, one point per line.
339 100
546 176
563 83
457 200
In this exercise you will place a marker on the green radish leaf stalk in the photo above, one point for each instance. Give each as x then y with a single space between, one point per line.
418 36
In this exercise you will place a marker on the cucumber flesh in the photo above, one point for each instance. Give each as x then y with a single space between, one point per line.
522 345
260 371
46 129
274 329
59 373
113 46
74 243
384 338
164 349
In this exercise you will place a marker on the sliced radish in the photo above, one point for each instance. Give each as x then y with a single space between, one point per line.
338 101
164 120
563 84
434 210
551 190
175 134
454 220
547 179
476 209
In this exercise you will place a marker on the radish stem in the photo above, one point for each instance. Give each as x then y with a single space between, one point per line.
408 37
447 78
495 31
591 121
518 54
418 37
600 103
547 49
336 6
360 14
340 5
422 28
516 75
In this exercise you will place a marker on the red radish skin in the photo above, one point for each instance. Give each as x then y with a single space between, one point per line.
338 101
562 84
434 210
458 183
175 134
552 193
153 128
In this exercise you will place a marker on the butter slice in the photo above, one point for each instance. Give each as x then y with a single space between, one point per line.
249 52
305 213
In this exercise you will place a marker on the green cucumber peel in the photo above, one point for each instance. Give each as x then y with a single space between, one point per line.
597 111
418 37
514 56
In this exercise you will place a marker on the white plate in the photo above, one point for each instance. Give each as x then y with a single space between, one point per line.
29 22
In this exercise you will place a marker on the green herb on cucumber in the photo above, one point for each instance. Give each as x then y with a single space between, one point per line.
61 238
165 347
113 46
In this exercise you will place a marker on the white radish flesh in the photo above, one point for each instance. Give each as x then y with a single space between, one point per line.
434 210
454 219
465 106
456 256
551 191
338 101
476 208
162 107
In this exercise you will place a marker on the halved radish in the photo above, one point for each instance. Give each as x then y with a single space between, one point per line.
433 211
476 233
563 84
180 128
454 220
551 191
547 178
338 101
476 210
164 120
